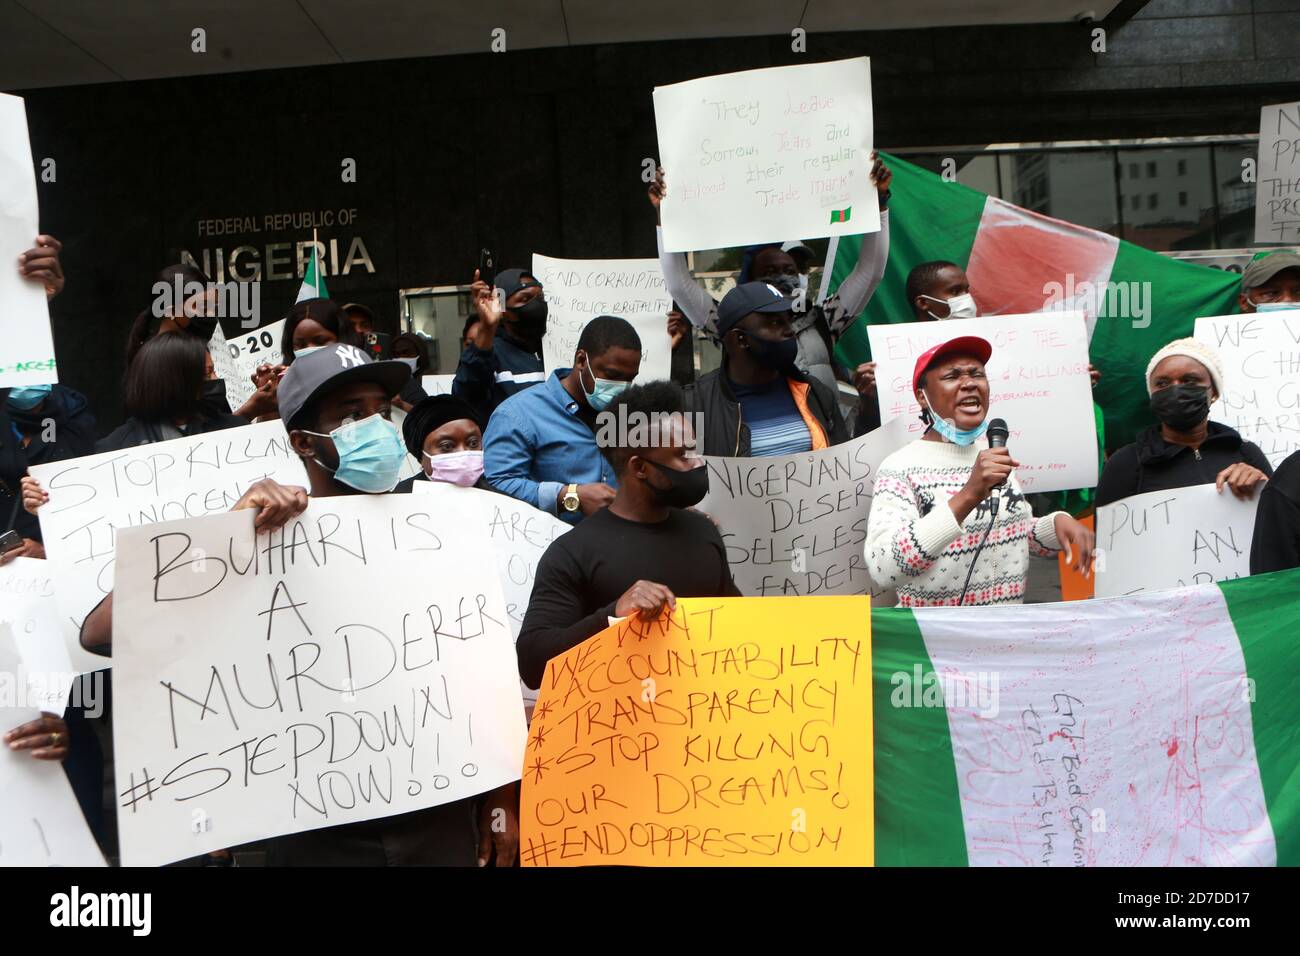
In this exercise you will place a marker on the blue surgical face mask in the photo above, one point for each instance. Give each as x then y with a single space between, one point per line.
949 430
26 397
371 453
604 390
1274 306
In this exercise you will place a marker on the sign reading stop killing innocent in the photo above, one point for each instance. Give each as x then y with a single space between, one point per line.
767 155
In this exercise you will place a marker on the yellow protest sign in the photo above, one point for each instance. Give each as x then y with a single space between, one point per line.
731 732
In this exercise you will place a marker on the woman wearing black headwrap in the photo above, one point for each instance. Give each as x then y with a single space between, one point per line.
446 435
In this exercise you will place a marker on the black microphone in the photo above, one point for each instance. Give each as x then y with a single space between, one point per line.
997 434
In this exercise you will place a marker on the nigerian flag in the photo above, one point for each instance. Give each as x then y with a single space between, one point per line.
313 283
1157 729
1012 254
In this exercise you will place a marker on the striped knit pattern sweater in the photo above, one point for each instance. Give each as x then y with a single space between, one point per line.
915 545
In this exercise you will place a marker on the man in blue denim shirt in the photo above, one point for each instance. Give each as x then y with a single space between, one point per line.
540 444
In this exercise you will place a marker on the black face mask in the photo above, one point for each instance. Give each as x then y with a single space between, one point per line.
778 355
685 489
1181 407
531 316
214 396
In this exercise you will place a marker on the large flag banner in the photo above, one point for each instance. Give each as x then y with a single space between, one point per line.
28 357
767 155
28 609
578 290
1261 377
235 360
795 524
354 664
517 534
1169 539
41 824
93 497
1038 382
1277 175
1161 729
1020 261
730 732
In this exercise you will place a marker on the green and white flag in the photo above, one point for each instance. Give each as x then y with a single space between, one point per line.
313 283
1160 729
1021 261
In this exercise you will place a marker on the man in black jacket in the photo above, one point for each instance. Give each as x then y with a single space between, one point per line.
1276 545
758 402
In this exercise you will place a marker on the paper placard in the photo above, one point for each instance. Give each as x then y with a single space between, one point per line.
28 608
1277 189
767 155
437 384
354 664
795 524
578 290
1038 383
1169 539
518 535
731 732
236 359
1260 354
28 357
90 497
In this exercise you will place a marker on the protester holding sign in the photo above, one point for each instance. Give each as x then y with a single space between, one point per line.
817 327
1271 283
499 362
938 501
446 435
642 552
759 402
540 445
1185 448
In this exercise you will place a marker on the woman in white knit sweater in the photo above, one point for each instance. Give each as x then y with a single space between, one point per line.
932 506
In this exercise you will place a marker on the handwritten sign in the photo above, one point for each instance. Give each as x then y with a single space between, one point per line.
731 732
437 384
28 608
235 360
767 155
1277 190
28 357
1038 382
94 496
795 524
353 665
1261 378
518 535
578 290
1169 539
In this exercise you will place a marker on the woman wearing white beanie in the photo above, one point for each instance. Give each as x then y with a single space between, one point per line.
1183 379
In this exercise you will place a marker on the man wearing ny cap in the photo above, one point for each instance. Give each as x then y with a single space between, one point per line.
933 534
504 355
335 405
1271 283
759 402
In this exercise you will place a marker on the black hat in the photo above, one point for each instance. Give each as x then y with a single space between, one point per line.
328 368
747 298
510 281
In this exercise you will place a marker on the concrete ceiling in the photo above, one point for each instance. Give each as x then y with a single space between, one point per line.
68 42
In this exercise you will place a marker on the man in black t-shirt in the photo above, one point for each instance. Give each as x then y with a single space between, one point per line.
643 551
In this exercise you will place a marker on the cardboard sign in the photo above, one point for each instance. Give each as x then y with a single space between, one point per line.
731 732
1277 188
236 359
767 155
28 608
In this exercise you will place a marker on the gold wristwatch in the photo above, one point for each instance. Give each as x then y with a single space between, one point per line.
570 498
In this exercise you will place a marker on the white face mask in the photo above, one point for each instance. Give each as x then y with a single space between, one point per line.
959 307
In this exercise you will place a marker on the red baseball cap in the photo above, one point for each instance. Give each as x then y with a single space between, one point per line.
962 345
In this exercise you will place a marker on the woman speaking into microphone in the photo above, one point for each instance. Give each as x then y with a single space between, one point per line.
949 524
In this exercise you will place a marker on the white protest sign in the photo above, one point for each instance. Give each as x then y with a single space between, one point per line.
767 155
1169 539
1260 354
28 357
795 524
578 290
354 664
1038 383
235 360
91 497
27 606
1277 178
518 534
437 384
41 824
